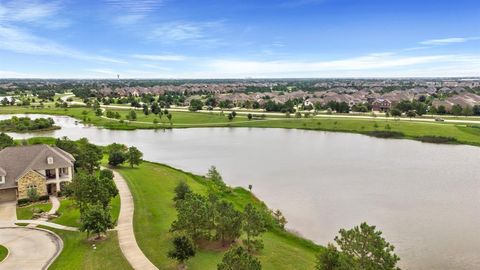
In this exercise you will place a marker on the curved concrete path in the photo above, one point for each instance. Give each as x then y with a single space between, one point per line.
126 236
29 249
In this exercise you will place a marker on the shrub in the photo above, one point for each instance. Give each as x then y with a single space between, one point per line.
385 134
22 202
437 139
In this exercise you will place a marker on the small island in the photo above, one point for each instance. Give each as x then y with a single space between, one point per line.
25 124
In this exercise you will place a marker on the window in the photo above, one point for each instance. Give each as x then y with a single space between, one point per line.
49 160
2 180
32 187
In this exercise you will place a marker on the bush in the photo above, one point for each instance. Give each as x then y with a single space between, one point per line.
44 198
438 139
385 134
22 202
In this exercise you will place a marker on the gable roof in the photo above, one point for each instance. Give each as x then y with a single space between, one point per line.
16 161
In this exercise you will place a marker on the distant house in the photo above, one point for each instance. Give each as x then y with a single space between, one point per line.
381 105
41 167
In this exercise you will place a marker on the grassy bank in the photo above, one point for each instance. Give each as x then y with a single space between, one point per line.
3 253
78 253
153 186
439 132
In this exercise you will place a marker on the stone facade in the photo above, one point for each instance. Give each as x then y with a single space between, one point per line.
31 178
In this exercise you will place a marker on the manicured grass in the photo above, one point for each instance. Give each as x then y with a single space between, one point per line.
3 253
411 129
153 186
70 214
78 253
26 212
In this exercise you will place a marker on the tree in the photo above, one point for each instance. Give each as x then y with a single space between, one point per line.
132 115
332 259
183 249
98 112
89 155
181 191
6 141
95 219
89 189
195 105
411 114
32 194
238 258
169 117
192 217
367 248
253 226
134 156
250 116
467 111
395 112
230 117
116 158
456 110
228 222
441 110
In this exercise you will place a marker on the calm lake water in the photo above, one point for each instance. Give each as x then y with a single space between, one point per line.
424 197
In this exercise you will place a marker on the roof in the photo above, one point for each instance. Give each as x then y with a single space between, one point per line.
17 160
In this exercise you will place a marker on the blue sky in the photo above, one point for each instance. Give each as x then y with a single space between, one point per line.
239 39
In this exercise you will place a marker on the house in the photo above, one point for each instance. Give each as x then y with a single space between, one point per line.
41 167
381 105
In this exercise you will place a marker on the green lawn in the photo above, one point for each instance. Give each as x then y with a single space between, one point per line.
26 212
152 186
78 253
70 214
3 253
411 129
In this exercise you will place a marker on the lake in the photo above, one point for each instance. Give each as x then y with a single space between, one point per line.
424 197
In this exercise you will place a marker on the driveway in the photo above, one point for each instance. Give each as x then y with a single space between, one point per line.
29 248
8 213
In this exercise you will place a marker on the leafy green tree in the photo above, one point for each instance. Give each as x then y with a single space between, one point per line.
228 222
192 217
395 112
132 115
183 249
367 248
250 116
134 156
253 226
195 105
456 110
238 258
116 158
89 189
6 141
332 259
32 194
441 110
95 219
169 117
411 114
181 191
89 156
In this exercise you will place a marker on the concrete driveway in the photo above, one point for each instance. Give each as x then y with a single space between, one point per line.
29 248
8 213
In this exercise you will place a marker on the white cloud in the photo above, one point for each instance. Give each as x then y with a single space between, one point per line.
135 6
182 31
33 12
160 57
295 68
20 41
447 41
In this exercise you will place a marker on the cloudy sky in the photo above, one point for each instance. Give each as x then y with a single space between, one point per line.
239 38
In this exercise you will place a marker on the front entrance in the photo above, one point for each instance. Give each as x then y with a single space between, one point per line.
51 189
